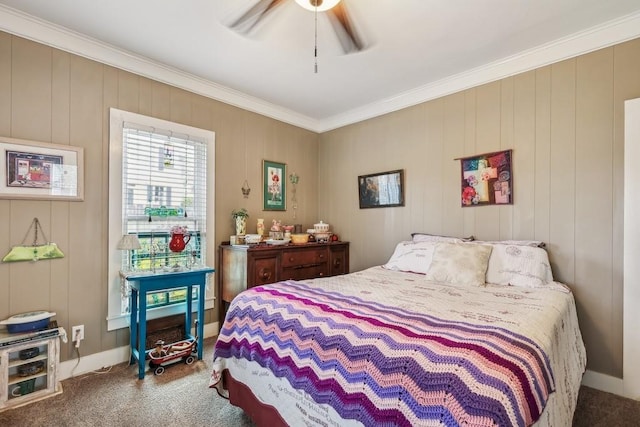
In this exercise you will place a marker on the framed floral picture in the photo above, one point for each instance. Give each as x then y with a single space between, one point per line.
487 179
274 186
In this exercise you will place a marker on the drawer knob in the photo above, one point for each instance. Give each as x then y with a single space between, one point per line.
265 274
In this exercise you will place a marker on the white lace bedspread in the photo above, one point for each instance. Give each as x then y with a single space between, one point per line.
545 315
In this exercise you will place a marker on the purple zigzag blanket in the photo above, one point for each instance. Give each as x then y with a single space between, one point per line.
384 365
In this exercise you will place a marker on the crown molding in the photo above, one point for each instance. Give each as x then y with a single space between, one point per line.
29 27
607 34
35 29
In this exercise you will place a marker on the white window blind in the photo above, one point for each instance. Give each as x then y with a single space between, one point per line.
163 180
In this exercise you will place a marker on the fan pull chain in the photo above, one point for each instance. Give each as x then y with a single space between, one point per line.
315 49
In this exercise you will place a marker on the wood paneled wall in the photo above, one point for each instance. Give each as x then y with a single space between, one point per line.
564 123
51 96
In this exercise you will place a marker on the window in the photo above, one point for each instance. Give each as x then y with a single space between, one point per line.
161 175
155 253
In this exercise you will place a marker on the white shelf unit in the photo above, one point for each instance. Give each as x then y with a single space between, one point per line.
17 388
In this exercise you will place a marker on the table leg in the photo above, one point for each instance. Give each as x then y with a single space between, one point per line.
133 330
187 313
142 336
200 326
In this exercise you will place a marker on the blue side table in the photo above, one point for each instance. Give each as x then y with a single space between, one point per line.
143 282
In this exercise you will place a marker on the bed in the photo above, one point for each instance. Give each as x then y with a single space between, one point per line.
447 332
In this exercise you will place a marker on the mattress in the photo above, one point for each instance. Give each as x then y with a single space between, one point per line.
381 347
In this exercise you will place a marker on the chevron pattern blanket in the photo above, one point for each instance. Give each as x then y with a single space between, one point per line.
382 364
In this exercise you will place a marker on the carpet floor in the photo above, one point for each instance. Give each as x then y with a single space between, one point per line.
181 397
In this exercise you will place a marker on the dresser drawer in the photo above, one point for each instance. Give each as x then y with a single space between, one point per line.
302 257
300 273
338 260
264 270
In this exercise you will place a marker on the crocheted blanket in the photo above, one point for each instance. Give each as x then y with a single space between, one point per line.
382 364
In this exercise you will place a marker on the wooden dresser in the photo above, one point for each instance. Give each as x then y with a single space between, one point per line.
242 267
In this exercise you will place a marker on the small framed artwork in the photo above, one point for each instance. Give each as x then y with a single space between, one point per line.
487 179
381 190
39 170
274 196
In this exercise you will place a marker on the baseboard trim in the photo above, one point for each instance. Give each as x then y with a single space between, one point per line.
603 382
97 361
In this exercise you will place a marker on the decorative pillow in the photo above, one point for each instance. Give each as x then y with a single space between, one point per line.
459 263
424 237
525 266
534 243
412 257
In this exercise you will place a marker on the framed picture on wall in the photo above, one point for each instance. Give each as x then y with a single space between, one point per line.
381 190
39 170
274 196
487 179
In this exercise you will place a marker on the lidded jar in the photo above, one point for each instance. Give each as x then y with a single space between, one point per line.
321 227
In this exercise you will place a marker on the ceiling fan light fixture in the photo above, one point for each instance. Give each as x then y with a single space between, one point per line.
322 5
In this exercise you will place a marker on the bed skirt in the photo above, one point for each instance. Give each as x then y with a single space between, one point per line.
241 396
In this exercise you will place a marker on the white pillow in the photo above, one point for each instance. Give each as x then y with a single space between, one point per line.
412 257
424 237
534 243
516 265
459 263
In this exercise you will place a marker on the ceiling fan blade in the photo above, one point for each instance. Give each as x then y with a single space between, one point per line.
254 15
344 28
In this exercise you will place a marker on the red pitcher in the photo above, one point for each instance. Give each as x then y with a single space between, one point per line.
179 241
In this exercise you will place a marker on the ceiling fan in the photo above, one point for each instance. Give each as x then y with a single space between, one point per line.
336 10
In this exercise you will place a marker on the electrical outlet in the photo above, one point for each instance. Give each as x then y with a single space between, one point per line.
77 333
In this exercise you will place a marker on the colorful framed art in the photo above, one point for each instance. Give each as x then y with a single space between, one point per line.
39 170
487 179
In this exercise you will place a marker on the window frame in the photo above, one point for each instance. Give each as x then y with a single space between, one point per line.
115 318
